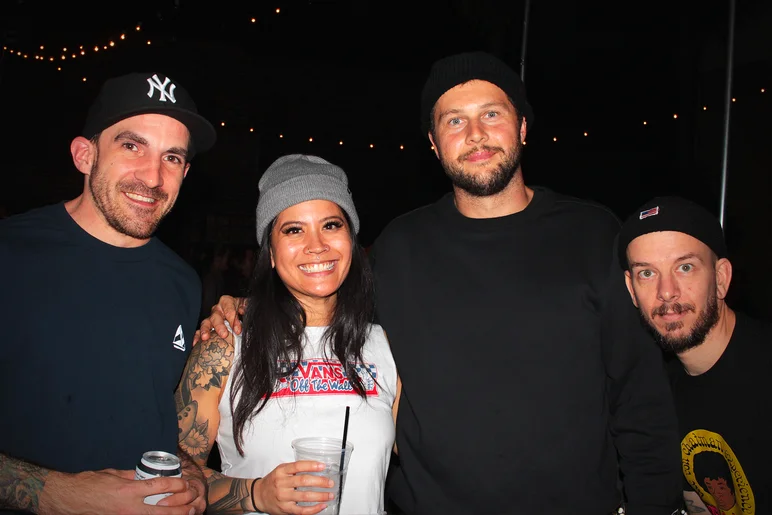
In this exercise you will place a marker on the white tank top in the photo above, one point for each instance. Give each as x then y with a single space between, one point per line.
313 403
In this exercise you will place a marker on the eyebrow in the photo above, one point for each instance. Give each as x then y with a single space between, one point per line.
136 138
479 108
323 220
690 255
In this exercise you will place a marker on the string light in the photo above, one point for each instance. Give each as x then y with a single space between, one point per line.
402 147
281 135
148 41
704 108
70 49
310 140
762 90
554 139
251 129
585 134
734 100
644 122
253 20
278 10
340 142
222 124
84 79
371 145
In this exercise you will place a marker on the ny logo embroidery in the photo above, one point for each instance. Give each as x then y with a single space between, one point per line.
155 83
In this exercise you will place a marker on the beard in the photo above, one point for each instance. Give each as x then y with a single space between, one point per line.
706 320
488 184
135 223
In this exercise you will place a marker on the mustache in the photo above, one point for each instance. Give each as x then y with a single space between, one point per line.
140 189
674 307
484 148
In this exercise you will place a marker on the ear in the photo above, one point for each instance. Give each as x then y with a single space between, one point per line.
629 284
83 154
523 130
434 145
185 173
723 277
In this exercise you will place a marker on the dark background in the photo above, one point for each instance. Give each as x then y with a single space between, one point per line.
352 71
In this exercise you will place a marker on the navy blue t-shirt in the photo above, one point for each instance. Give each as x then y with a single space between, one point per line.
95 339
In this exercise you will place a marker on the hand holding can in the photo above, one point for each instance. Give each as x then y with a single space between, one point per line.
157 464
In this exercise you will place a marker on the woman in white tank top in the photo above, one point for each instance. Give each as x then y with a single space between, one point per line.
308 349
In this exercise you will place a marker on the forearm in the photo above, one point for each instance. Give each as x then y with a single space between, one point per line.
21 484
228 495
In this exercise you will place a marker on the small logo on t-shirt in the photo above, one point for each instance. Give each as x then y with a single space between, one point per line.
179 339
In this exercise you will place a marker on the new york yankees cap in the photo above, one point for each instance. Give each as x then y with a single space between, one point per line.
142 93
672 214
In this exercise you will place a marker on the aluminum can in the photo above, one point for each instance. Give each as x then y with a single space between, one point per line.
157 464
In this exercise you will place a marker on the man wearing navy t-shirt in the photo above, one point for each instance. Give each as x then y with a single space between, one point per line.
87 376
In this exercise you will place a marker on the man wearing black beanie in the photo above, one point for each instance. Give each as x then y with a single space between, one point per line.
675 262
528 383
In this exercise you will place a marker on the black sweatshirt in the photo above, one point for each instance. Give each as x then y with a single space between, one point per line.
529 384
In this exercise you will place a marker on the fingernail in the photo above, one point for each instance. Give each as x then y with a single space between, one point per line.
192 511
331 495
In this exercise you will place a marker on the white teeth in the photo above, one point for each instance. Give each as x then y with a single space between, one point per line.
317 267
140 198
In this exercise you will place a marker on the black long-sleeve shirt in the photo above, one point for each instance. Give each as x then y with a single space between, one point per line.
529 385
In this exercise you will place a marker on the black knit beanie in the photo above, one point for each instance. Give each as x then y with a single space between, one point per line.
457 69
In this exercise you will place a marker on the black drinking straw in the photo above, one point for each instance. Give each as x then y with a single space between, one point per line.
342 457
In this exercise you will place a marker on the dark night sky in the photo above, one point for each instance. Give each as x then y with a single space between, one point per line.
336 70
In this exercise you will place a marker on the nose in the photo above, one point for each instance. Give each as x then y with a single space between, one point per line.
476 132
150 172
316 244
668 290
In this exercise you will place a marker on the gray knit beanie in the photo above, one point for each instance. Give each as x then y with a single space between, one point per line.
298 178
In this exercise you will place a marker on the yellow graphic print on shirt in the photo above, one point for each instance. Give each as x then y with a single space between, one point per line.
712 470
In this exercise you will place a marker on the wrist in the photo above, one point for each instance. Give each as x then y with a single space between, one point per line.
255 496
53 499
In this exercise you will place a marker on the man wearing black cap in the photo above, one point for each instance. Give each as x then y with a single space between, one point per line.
88 374
677 272
528 384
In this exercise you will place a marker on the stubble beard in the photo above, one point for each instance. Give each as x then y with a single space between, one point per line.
131 222
706 320
487 184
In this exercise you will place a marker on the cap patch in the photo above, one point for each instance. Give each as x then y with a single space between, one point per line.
649 212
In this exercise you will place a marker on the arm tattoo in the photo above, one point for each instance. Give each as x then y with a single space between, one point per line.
693 508
20 484
208 366
234 494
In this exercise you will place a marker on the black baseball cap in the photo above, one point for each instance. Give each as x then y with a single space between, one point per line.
141 93
672 214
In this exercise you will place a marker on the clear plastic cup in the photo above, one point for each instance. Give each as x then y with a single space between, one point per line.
328 451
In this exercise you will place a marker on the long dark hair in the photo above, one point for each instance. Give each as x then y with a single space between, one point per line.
273 328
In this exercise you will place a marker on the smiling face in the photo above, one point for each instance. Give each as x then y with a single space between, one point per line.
676 283
137 172
311 248
478 136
